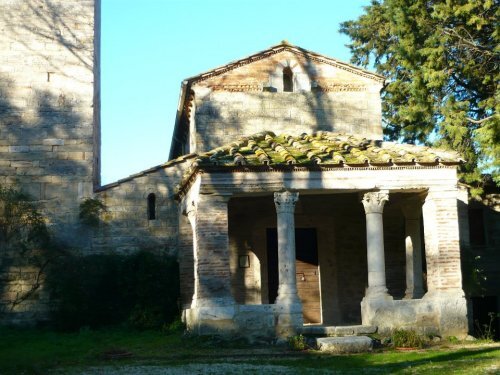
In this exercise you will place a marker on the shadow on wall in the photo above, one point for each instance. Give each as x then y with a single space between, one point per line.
55 23
224 116
44 151
33 159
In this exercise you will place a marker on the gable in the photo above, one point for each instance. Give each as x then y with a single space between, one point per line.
259 70
284 88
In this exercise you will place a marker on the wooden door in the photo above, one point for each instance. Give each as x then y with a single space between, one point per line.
307 271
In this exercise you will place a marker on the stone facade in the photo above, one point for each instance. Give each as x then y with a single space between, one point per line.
127 225
49 123
388 233
442 310
49 98
248 96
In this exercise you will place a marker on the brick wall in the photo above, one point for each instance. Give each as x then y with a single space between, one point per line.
442 248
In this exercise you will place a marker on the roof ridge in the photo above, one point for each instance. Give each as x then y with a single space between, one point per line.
278 48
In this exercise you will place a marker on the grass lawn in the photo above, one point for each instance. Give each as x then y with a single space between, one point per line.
32 351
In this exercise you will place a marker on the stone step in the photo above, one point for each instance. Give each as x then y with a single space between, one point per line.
346 344
331 331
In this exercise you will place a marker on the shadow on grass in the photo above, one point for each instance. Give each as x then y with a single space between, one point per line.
392 361
35 351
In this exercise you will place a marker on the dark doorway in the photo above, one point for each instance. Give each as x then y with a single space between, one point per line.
306 248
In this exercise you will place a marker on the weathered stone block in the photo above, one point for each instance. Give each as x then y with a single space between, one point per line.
348 344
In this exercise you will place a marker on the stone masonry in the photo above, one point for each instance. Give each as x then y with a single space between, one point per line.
49 122
369 241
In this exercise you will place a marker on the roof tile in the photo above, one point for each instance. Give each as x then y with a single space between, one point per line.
325 148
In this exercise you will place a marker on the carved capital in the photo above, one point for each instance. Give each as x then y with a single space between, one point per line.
374 201
285 201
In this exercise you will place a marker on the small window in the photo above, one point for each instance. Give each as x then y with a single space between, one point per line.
151 207
476 227
287 80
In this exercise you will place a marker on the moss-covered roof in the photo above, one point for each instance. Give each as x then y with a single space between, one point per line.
266 151
321 149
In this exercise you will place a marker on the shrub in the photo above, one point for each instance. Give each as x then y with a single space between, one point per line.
486 332
402 338
90 211
297 342
25 245
22 227
108 289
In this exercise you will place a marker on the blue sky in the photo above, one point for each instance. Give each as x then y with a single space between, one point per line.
150 46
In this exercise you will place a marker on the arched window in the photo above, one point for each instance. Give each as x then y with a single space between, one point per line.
151 207
287 80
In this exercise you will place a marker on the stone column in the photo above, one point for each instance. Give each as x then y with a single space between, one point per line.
288 307
412 210
285 206
374 206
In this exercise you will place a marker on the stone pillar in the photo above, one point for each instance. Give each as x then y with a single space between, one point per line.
213 308
288 305
442 255
412 210
209 221
442 241
373 203
285 206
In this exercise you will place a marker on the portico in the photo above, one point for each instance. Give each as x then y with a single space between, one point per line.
230 256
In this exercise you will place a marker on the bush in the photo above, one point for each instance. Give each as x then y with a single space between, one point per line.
98 290
297 342
90 211
402 338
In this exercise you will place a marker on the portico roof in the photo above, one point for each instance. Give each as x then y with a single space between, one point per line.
267 151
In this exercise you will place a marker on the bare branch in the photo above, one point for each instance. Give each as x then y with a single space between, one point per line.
471 43
481 120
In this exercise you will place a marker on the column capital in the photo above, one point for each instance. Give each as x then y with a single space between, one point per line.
374 201
285 201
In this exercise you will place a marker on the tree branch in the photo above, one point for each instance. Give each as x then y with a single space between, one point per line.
481 120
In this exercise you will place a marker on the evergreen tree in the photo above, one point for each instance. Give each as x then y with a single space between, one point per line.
441 60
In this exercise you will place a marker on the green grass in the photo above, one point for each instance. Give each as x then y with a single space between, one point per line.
32 351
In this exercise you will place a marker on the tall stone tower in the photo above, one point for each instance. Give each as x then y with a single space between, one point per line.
49 105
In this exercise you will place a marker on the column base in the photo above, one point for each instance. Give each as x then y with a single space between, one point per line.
213 320
212 302
377 293
288 299
289 319
414 294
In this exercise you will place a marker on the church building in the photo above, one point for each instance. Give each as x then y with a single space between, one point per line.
286 209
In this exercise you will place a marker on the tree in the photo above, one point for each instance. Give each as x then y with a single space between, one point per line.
441 59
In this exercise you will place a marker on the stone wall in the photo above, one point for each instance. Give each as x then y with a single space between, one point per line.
49 126
49 134
126 226
250 99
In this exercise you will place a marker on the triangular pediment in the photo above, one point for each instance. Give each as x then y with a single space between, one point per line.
283 53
